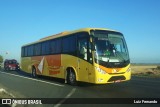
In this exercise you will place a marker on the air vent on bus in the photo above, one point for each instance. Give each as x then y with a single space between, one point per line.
114 78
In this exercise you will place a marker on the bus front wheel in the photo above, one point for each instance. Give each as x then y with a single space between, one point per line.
71 77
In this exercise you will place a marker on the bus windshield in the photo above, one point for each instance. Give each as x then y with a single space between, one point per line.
110 47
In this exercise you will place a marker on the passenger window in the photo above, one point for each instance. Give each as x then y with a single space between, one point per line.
82 45
58 46
37 49
25 54
69 45
45 48
90 53
53 47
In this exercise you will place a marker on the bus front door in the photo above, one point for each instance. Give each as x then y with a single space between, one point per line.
82 59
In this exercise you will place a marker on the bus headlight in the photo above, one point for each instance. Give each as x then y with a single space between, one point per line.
128 70
100 70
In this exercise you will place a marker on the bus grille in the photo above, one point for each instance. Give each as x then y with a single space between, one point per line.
114 78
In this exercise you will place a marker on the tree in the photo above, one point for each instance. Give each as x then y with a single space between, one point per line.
1 59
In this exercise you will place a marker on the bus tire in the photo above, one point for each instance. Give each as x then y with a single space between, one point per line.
34 75
71 77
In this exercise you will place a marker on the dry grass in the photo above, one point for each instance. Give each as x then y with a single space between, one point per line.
146 70
4 94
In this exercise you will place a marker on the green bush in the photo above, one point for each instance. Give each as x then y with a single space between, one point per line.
1 59
158 67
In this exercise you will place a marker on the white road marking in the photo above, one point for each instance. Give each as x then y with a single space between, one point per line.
9 94
2 90
68 95
32 79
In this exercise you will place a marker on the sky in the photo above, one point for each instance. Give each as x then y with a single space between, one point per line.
25 21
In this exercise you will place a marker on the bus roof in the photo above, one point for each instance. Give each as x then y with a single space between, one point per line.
65 33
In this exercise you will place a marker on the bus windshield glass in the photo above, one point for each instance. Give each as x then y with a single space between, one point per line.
110 47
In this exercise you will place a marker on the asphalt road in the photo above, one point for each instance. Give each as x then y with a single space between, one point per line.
22 85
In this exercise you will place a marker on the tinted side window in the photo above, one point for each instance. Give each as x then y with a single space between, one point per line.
58 46
45 48
25 50
69 44
65 42
84 47
30 50
22 52
55 46
37 49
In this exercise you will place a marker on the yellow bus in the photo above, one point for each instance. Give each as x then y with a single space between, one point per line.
93 55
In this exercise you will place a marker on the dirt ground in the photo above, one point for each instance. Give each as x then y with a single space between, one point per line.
4 95
145 70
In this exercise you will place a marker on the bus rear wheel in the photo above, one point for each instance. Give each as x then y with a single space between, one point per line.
71 77
34 75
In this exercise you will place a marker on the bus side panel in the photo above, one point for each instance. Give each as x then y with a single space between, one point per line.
47 65
26 64
69 61
53 66
92 74
36 60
